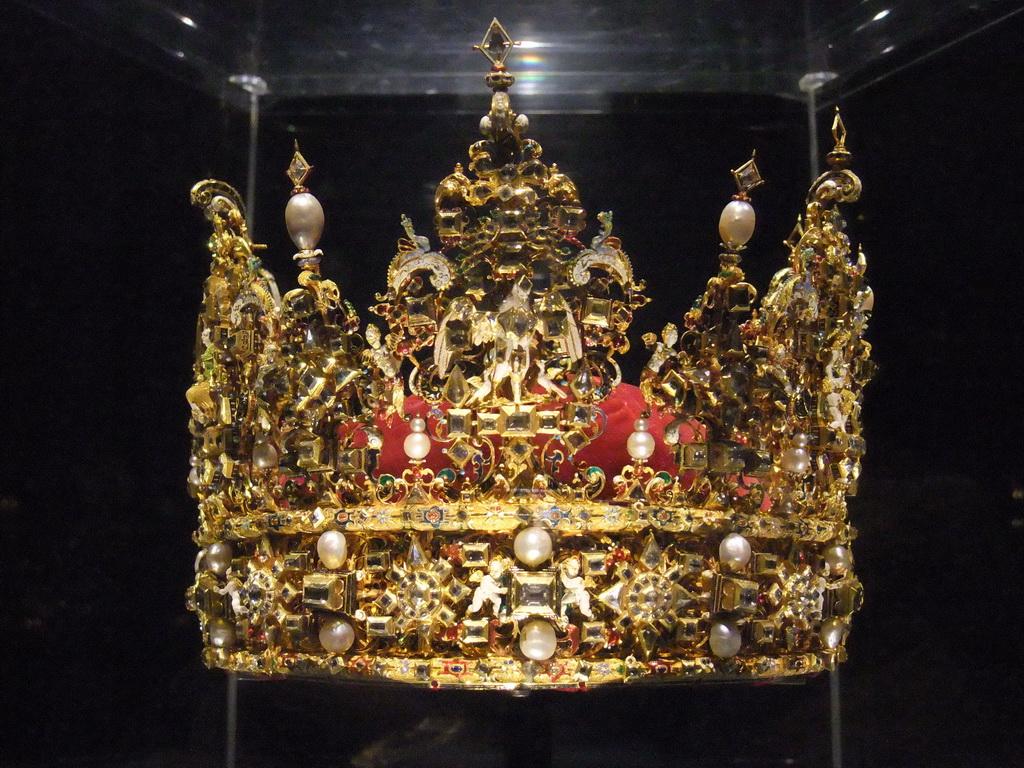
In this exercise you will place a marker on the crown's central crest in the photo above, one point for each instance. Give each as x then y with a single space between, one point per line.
428 502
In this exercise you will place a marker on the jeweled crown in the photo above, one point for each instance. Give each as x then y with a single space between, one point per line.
430 502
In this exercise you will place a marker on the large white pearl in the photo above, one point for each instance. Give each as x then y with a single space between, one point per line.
533 546
332 549
218 557
304 217
734 551
736 225
264 454
725 640
796 460
640 445
537 640
222 633
839 559
832 632
337 635
417 445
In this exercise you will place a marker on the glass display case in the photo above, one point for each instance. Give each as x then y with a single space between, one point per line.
118 106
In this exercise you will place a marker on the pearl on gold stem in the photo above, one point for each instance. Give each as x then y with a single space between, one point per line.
417 442
337 635
304 217
332 549
640 444
537 640
533 546
736 225
734 551
725 640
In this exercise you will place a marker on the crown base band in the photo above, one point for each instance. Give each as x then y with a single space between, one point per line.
459 673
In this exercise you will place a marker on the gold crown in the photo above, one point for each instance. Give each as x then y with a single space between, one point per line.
430 504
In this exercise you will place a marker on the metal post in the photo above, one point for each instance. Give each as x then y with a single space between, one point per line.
810 84
231 738
256 87
837 723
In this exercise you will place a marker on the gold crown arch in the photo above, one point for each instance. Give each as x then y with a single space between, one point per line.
490 553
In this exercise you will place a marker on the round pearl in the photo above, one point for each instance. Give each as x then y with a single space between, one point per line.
417 424
417 445
832 633
332 549
640 445
337 635
796 460
264 455
222 633
641 425
734 551
537 640
736 225
533 546
304 217
725 640
839 559
800 440
218 557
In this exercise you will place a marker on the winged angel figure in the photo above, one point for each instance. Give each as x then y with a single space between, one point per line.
515 330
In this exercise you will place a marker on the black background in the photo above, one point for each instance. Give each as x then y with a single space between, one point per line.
102 262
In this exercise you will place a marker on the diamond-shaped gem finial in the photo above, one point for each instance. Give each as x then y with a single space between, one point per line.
839 132
747 176
496 44
298 169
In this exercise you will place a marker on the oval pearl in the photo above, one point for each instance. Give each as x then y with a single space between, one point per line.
640 445
337 635
839 559
736 225
832 633
734 551
417 424
332 549
533 546
796 460
537 640
264 455
725 640
218 557
417 445
304 217
222 633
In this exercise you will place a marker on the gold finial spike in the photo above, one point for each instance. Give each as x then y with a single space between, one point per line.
496 45
747 176
839 132
298 169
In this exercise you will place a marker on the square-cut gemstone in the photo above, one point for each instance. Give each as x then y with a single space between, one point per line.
476 554
598 312
460 422
474 631
486 423
732 594
595 562
549 422
533 593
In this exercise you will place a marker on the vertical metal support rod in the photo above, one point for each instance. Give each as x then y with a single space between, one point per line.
837 723
250 185
231 738
812 130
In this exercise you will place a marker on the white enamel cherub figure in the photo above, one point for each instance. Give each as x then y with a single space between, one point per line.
575 589
490 589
